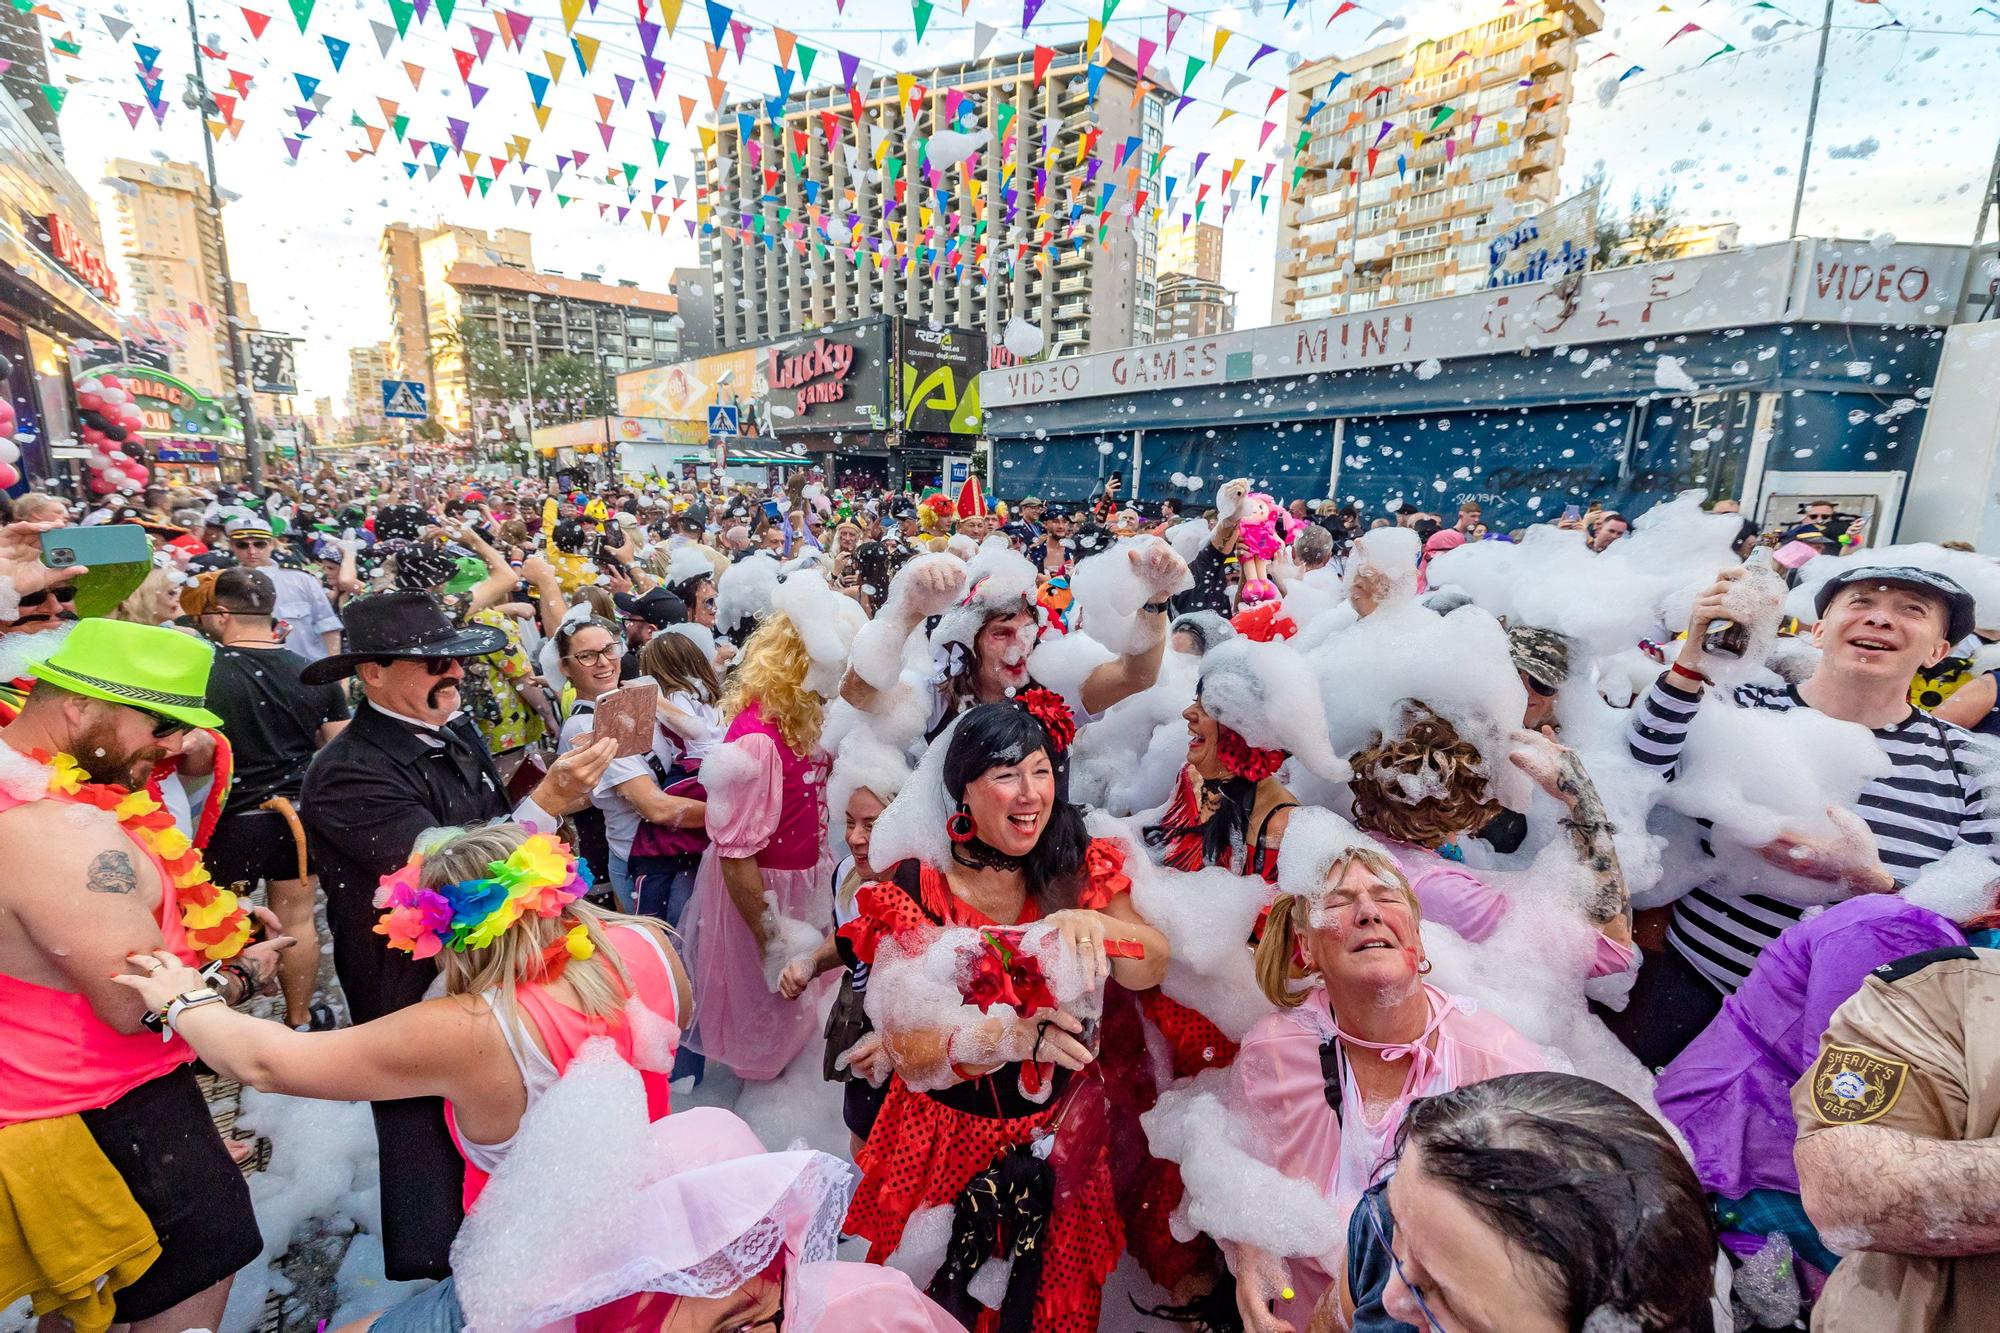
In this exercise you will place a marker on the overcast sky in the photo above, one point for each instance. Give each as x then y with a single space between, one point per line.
1907 132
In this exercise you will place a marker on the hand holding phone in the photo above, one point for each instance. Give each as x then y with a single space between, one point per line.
116 556
628 715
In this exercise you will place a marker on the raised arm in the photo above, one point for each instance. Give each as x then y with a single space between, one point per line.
927 586
1557 770
1659 726
498 585
1228 514
1162 573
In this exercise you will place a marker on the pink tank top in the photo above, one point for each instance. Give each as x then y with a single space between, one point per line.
56 1055
795 843
563 1032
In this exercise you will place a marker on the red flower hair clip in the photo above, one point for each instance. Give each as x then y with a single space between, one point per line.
1244 759
1054 715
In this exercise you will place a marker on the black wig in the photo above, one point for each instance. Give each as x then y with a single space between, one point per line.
991 736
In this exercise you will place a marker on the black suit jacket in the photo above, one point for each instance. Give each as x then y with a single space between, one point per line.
367 797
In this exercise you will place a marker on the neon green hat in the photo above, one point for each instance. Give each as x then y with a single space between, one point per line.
146 667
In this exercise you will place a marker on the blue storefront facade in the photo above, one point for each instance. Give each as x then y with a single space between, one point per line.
1625 387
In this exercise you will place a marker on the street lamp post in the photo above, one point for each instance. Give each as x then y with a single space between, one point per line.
253 450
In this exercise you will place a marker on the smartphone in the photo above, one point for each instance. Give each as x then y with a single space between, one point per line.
773 512
119 556
1571 513
99 544
627 715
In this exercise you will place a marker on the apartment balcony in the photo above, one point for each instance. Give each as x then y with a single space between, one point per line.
1077 286
1072 258
1073 310
1536 162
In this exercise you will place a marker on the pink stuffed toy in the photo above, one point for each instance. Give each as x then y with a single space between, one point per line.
1265 528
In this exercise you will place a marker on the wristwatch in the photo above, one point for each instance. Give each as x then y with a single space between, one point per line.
1158 608
163 1022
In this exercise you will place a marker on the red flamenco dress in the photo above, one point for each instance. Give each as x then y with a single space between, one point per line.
1148 1196
926 1148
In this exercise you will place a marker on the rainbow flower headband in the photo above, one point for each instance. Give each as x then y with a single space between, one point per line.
540 877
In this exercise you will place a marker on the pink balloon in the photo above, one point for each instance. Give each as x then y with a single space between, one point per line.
90 402
8 475
100 486
8 421
137 472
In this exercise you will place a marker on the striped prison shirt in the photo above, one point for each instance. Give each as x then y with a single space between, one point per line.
1933 797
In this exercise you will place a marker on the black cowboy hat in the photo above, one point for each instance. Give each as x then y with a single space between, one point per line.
658 608
404 624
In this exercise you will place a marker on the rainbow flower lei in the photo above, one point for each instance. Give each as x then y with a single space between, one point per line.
540 877
216 922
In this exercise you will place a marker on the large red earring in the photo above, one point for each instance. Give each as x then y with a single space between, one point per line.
959 827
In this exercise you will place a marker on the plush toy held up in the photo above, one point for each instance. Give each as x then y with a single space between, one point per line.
1265 527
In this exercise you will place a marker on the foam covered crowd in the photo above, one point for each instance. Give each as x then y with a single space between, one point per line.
727 907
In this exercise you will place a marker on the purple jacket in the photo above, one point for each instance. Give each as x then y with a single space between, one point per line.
1730 1091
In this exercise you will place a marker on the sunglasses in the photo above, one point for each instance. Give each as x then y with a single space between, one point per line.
251 544
64 594
163 727
433 666
1545 691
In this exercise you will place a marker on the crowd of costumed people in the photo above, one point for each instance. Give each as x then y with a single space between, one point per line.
768 908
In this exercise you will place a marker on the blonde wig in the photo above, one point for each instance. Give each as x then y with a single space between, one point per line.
772 675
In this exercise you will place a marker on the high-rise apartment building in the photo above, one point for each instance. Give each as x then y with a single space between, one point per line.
173 254
421 306
1419 152
534 317
24 72
814 219
1194 249
367 367
1192 307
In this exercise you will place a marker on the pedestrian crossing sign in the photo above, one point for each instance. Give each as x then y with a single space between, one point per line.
722 419
405 399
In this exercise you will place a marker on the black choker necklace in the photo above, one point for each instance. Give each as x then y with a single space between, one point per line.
977 855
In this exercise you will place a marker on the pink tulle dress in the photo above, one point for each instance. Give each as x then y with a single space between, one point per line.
767 802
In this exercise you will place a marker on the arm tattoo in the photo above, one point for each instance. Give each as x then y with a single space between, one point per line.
1590 833
111 872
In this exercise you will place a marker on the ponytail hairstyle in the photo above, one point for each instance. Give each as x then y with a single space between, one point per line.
990 736
1591 1188
1281 948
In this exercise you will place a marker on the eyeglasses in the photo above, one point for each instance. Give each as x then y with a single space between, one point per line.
597 657
1372 1202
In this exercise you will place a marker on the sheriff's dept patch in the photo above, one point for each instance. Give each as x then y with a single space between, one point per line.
1853 1087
